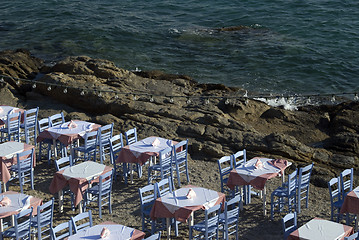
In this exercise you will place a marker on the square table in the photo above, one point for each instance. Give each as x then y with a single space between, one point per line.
117 232
18 202
78 177
351 204
140 151
248 174
5 110
321 229
178 206
67 135
8 157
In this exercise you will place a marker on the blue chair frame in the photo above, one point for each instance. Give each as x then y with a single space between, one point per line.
30 124
291 218
59 229
180 160
43 220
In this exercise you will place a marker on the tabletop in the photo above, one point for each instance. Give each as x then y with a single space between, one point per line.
67 135
5 110
248 174
351 202
177 205
19 201
8 157
78 177
321 229
117 232
141 151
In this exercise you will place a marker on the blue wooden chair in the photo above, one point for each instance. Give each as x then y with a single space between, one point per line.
288 191
289 223
30 124
303 185
131 137
354 236
229 219
156 236
116 145
336 201
163 169
42 222
346 182
45 144
180 160
147 198
208 228
61 231
100 193
225 166
105 134
239 158
56 119
62 164
12 127
89 147
24 169
22 226
81 221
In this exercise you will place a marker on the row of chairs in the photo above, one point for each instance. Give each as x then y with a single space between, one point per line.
339 187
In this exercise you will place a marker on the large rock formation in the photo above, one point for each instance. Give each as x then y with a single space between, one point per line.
177 107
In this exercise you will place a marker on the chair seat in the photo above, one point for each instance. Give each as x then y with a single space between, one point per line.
34 222
202 227
338 204
85 149
11 232
281 192
222 219
155 167
95 190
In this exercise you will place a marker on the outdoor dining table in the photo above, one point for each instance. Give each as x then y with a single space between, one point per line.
248 174
177 205
117 232
19 201
321 229
8 157
67 135
78 177
140 151
5 110
351 204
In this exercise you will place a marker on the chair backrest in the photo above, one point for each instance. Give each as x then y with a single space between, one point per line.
147 196
232 208
131 136
156 236
30 117
346 182
116 144
304 175
91 139
105 182
25 160
43 124
334 190
292 182
81 221
13 122
57 119
354 236
63 163
239 158
212 217
225 166
181 151
164 187
165 161
105 133
23 223
289 223
45 213
61 231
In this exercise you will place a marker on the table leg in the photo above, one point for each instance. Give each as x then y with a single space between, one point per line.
356 223
168 227
4 184
1 225
72 153
264 200
80 206
54 147
131 173
61 201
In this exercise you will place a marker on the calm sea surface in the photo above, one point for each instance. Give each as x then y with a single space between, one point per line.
287 47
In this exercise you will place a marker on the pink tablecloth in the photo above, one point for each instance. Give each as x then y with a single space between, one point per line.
351 202
67 135
18 201
141 151
178 206
78 177
321 229
117 232
8 151
247 174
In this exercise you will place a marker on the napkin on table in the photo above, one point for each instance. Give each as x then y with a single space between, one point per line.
105 232
191 194
156 142
1 109
5 201
258 164
72 124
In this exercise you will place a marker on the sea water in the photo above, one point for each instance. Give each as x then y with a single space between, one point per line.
285 47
